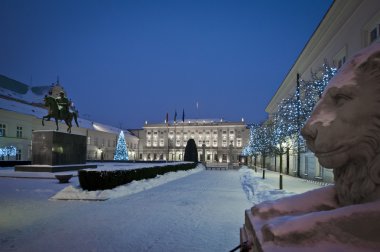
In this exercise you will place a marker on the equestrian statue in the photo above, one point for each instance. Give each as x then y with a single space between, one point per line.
60 108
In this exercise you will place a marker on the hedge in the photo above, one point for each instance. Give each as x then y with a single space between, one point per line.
102 180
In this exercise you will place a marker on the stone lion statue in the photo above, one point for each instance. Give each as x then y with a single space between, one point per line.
344 133
344 129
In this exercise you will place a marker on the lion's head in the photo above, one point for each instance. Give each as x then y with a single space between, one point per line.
344 128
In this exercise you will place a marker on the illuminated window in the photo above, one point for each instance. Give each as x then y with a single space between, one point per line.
224 143
215 143
238 142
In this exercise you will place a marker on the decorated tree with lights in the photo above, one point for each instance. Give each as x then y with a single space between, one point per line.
260 141
121 152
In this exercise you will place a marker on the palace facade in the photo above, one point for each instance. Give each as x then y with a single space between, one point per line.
223 141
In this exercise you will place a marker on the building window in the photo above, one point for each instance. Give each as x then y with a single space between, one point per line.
148 143
178 143
88 140
224 143
208 157
2 130
208 143
224 157
215 143
18 154
374 34
200 142
19 132
238 142
141 156
154 143
154 156
162 142
215 157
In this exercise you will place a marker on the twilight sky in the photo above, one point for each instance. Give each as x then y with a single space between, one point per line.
125 62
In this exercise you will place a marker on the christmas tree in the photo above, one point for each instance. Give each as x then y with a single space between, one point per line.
121 152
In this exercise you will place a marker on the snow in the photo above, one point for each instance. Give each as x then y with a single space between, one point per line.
38 112
199 210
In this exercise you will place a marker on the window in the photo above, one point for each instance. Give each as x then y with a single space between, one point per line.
148 143
340 57
162 142
215 143
154 156
2 130
208 157
88 140
141 156
200 142
215 157
19 132
208 143
224 143
374 34
18 154
178 143
238 142
154 143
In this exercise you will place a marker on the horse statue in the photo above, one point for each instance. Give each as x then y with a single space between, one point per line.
58 114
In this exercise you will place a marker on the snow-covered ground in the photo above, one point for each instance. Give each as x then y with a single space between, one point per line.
199 210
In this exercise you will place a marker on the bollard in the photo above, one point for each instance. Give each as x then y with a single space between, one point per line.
263 173
280 181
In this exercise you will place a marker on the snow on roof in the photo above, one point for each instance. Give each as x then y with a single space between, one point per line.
38 112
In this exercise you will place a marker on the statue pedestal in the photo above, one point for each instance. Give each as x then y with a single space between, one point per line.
349 228
54 151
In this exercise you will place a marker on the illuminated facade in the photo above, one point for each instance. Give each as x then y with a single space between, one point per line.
19 120
347 27
223 140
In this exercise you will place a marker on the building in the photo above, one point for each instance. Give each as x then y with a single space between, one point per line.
347 27
19 118
223 140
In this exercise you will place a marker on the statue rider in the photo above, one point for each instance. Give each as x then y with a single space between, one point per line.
63 104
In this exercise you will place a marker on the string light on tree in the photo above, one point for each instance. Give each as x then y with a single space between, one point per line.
121 152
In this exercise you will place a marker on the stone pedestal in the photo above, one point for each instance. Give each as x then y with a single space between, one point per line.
54 151
58 148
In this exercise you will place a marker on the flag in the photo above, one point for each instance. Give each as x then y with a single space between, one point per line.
167 117
175 116
183 115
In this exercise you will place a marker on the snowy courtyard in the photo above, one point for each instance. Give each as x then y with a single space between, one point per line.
199 210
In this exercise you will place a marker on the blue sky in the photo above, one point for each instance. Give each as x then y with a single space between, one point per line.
125 62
